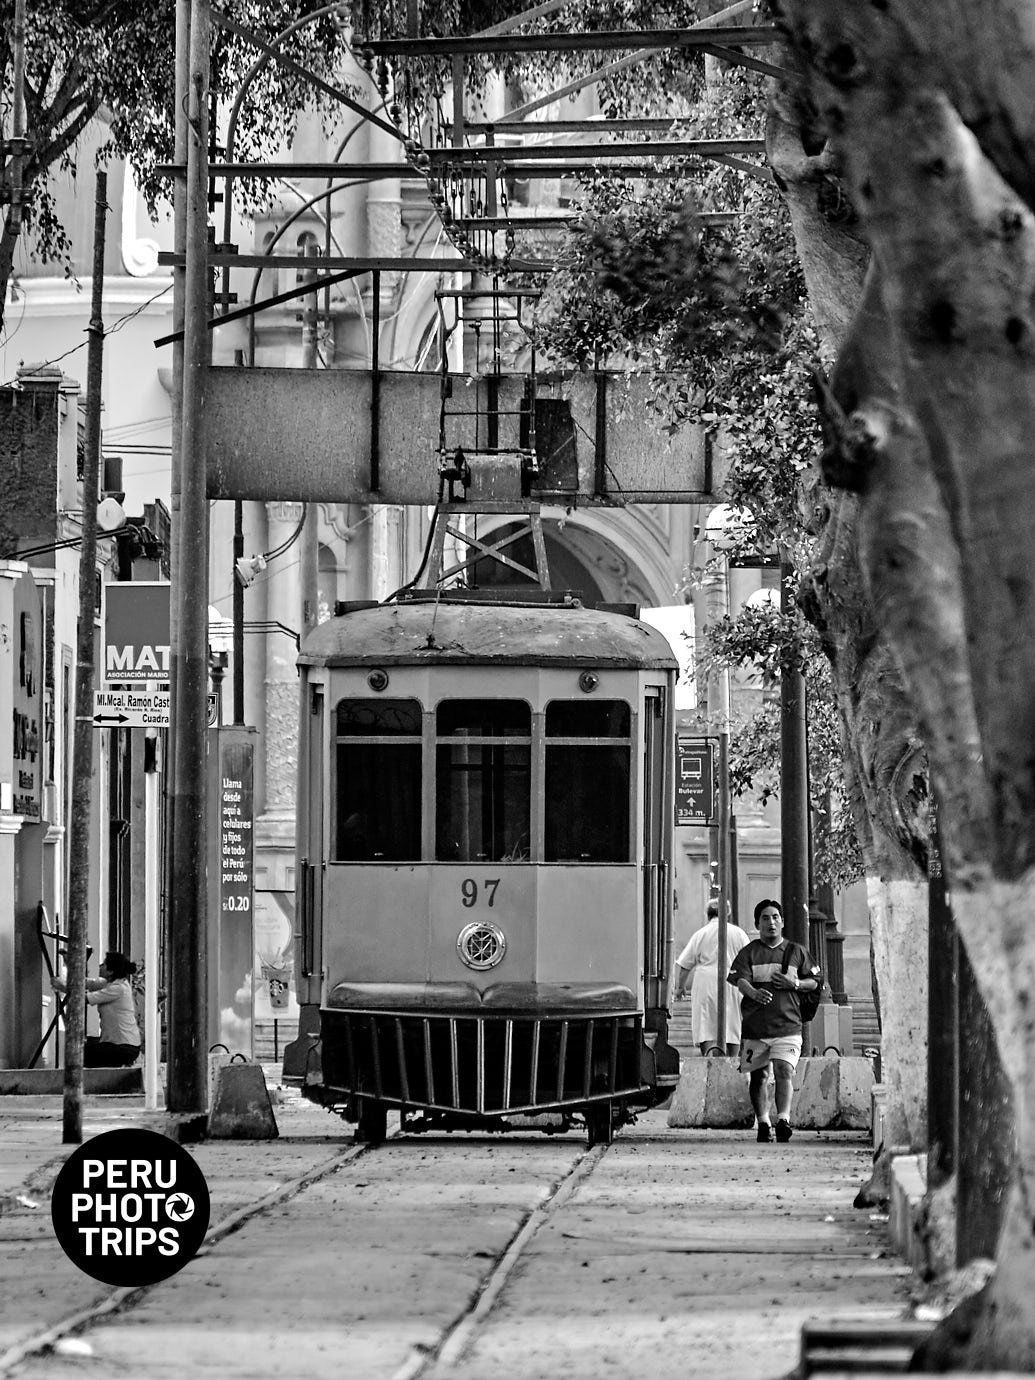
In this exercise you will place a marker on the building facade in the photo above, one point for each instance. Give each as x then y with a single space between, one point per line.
633 554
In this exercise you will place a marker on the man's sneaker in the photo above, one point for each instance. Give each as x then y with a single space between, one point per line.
783 1131
765 1132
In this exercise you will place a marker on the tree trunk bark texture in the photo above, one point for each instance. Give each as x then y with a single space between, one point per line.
880 730
932 113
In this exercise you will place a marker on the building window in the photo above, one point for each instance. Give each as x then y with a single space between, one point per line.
588 781
483 775
377 781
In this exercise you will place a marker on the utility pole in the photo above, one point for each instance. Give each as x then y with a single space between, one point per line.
187 901
82 752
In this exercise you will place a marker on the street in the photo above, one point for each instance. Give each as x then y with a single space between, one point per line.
669 1252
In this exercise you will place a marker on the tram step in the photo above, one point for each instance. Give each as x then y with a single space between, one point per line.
862 1347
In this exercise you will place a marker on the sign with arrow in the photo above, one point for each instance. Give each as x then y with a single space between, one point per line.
131 709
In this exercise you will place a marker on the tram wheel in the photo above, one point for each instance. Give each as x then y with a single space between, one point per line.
600 1123
372 1126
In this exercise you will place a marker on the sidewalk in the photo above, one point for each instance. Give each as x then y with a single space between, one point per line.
663 1197
38 1284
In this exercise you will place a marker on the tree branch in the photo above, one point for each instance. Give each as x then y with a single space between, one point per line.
48 155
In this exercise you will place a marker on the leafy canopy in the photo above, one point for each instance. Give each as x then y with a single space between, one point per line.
114 60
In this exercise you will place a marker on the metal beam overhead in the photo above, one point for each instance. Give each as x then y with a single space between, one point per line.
361 264
521 153
455 45
553 222
588 125
609 158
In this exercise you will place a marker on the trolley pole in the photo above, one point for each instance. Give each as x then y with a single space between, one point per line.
187 909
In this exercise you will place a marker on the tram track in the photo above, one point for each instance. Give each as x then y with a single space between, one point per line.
457 1336
121 1299
451 1257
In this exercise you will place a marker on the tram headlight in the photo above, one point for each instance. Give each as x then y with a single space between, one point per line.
378 680
588 681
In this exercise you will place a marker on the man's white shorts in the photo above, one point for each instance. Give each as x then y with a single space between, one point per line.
758 1054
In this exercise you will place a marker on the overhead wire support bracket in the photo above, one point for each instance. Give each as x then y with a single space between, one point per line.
317 284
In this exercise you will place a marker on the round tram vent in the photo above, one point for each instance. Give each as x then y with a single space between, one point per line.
481 945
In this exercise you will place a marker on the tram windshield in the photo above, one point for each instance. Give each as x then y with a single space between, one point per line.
482 782
378 788
587 786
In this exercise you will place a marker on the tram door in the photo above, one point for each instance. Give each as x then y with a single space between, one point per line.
655 847
309 901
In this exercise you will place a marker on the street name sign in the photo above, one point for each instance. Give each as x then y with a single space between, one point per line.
131 708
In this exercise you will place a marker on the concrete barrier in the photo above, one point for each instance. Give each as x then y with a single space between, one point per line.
829 1094
241 1108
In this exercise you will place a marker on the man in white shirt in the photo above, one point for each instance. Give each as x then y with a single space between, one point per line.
699 965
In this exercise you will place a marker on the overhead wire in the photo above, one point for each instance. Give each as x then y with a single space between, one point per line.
110 330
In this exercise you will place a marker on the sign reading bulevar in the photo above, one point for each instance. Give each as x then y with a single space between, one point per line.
135 631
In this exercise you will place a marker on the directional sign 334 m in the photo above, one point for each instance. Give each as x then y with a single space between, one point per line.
131 709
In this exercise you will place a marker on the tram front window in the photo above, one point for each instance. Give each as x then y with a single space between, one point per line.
377 781
588 779
483 771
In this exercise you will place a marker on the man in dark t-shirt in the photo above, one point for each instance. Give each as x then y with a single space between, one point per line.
771 972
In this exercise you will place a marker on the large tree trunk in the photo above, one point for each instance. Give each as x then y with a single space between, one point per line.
938 439
880 732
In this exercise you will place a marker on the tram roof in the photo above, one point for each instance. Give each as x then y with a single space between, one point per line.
448 631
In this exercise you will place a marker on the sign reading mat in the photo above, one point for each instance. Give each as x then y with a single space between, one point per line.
135 631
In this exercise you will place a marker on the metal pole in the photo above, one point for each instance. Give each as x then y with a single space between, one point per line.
179 286
17 116
237 609
82 753
152 852
794 787
725 816
310 545
724 871
187 1077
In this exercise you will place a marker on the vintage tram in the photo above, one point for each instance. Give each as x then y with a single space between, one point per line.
484 862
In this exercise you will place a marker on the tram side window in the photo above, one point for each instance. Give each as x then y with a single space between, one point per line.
482 783
588 781
378 781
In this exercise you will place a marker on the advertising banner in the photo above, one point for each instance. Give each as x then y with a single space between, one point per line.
135 631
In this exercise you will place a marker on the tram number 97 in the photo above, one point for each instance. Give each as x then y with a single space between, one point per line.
469 891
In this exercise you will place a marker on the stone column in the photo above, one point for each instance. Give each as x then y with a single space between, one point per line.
10 827
275 828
